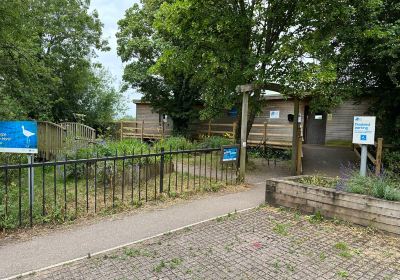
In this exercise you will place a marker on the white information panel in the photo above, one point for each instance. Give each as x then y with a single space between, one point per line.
364 130
274 114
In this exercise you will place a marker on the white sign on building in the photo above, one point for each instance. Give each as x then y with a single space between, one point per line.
274 114
364 130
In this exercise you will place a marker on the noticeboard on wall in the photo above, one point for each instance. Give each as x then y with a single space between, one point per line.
18 137
274 114
230 153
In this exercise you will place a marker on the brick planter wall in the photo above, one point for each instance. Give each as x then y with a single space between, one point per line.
359 209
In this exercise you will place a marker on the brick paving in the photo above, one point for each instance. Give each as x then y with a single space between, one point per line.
265 243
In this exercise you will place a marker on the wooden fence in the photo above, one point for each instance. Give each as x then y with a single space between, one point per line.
267 133
79 133
55 139
375 159
52 139
143 130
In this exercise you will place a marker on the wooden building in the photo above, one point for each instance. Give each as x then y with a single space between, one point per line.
272 126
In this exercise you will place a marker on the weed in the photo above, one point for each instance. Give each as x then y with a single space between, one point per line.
342 274
281 229
276 265
130 252
341 246
345 251
297 216
316 218
160 266
345 254
322 256
262 205
228 247
175 263
290 267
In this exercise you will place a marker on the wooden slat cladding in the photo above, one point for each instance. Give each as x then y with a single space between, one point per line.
340 127
279 131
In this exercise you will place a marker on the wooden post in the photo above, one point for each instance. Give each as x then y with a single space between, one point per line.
122 131
142 131
265 132
209 128
378 157
299 167
295 136
234 127
243 136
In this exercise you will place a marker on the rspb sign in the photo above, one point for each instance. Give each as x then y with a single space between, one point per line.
18 137
230 154
364 130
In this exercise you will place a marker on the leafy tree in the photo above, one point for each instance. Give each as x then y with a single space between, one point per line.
46 68
169 86
360 39
233 42
329 50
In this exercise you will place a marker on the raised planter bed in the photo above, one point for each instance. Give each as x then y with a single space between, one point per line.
359 209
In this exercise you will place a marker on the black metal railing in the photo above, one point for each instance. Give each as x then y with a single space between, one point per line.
66 189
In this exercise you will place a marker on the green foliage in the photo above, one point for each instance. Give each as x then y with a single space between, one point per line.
317 180
379 187
174 143
46 70
214 142
391 161
166 82
270 153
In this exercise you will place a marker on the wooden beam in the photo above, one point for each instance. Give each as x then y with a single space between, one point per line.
295 136
266 86
378 157
243 136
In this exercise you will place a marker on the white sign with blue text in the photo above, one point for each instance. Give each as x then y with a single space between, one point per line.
18 137
364 130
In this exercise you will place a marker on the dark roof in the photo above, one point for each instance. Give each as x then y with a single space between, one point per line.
139 101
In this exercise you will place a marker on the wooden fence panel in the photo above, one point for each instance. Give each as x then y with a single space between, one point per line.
52 140
55 139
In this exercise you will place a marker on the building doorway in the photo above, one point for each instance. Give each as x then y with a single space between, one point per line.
314 127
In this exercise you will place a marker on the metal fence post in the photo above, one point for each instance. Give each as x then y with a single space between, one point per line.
162 170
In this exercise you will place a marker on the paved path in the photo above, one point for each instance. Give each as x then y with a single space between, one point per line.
327 160
258 244
64 245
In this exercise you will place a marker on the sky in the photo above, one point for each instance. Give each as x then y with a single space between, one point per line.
110 11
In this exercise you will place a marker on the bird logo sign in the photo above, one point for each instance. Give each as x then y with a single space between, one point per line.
28 134
18 137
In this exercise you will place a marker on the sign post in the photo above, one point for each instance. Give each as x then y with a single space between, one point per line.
243 136
21 137
364 134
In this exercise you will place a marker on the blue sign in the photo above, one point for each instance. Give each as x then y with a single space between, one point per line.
18 137
233 112
230 154
363 137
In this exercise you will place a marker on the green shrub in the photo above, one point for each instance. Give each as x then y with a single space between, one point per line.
269 153
214 142
383 187
174 143
391 161
321 181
